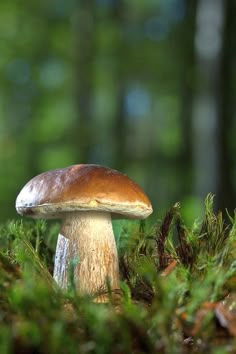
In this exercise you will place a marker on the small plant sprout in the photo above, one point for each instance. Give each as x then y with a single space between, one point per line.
85 197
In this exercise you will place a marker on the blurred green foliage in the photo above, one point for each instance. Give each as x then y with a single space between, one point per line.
57 55
107 82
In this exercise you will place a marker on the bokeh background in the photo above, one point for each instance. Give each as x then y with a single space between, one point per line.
146 87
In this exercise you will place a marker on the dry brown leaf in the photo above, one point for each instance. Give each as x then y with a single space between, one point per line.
169 268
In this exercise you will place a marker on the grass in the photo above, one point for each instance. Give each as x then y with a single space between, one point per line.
178 291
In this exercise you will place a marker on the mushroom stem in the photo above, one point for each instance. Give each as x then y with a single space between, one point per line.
87 238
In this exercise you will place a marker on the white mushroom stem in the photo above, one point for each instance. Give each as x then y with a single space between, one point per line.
86 238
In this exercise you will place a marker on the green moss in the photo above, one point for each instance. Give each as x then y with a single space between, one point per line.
159 310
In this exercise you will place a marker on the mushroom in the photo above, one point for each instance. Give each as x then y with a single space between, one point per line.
85 197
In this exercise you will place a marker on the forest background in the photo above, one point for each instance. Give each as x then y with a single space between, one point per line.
144 87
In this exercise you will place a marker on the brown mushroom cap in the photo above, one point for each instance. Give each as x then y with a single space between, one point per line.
82 187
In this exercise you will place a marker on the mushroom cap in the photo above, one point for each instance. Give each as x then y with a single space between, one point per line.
83 188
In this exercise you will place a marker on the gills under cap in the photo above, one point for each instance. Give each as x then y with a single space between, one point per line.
82 187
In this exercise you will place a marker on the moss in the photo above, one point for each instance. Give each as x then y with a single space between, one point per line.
172 281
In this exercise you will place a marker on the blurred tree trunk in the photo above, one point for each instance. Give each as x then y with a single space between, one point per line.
84 27
120 126
120 130
211 168
225 192
187 97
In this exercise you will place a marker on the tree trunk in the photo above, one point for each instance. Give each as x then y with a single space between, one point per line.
225 194
84 28
119 126
207 105
186 162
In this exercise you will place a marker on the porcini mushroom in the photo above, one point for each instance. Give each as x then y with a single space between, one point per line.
85 197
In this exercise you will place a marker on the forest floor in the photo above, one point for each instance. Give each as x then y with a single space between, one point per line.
178 291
